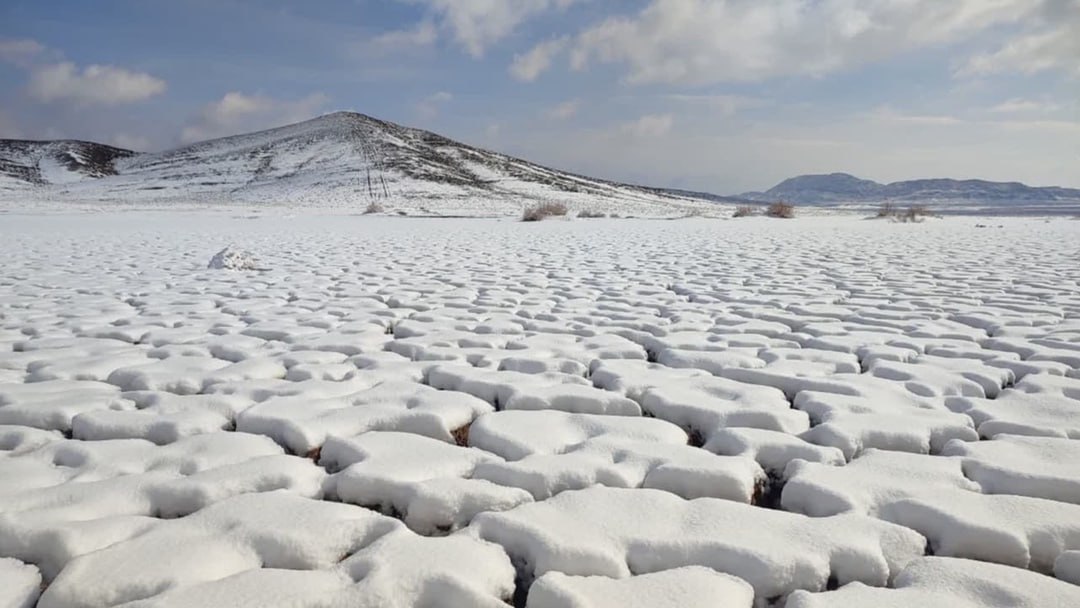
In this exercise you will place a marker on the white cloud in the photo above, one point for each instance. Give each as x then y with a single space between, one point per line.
726 105
885 114
709 41
428 108
424 34
477 24
1055 45
94 84
650 125
527 67
1025 106
239 113
20 52
565 110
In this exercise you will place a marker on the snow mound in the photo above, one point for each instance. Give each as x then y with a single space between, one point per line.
514 435
706 405
429 484
690 587
304 421
940 582
625 463
267 530
773 450
618 532
932 497
232 259
1042 467
1041 404
20 584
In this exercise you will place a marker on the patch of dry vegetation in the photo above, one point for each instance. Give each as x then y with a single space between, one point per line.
780 209
913 214
542 211
745 211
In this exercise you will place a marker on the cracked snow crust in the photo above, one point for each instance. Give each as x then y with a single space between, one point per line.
385 412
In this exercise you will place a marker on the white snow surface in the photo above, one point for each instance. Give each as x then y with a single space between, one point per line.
479 412
939 582
690 587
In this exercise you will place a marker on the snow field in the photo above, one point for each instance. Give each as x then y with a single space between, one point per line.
824 412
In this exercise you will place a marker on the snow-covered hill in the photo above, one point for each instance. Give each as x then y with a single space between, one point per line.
26 164
943 194
343 160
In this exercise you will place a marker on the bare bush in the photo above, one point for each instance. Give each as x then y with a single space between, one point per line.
887 210
374 208
780 209
543 210
745 211
590 214
913 214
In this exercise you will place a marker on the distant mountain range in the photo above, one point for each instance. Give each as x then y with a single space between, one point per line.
341 160
842 189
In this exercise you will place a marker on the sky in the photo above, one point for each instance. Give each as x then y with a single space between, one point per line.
723 96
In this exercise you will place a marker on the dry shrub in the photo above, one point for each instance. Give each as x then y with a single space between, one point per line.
913 214
374 208
461 435
590 214
543 210
781 210
745 211
887 210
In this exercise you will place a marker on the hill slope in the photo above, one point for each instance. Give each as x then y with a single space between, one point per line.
338 160
32 163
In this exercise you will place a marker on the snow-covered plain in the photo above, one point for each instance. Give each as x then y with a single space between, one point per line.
825 411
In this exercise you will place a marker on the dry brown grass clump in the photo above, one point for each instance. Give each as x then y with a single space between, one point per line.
913 214
374 208
588 214
781 210
543 210
745 211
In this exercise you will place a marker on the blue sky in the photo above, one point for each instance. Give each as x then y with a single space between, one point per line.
717 95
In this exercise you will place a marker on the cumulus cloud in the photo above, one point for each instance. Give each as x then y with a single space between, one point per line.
428 107
93 84
650 125
565 110
52 79
709 41
528 66
477 24
241 113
